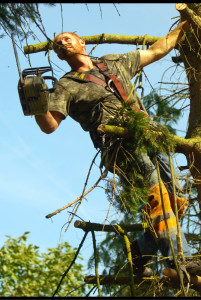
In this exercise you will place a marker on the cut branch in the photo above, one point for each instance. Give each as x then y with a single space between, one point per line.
87 226
195 281
189 15
97 39
114 131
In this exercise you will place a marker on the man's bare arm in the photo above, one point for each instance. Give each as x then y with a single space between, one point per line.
163 46
50 121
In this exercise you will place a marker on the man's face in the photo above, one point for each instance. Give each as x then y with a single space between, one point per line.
67 45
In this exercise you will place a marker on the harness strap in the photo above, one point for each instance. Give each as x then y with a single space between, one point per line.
106 84
103 67
96 80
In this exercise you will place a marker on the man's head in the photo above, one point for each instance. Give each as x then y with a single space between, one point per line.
67 44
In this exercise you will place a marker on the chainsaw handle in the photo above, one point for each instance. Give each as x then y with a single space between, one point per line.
54 84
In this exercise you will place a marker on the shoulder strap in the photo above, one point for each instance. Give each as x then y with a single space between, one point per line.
117 84
85 78
106 84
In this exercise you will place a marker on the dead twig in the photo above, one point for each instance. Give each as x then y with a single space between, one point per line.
68 269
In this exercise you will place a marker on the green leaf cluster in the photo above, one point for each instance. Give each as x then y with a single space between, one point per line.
162 111
15 17
25 272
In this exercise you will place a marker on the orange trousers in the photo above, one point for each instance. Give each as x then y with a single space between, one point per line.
155 210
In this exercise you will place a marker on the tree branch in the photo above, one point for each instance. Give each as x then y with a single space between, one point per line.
108 280
173 276
87 226
188 14
76 200
66 272
182 145
97 39
170 279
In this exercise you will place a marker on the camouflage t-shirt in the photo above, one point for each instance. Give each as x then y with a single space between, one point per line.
91 104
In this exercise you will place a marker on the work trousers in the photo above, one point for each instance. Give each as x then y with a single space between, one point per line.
156 238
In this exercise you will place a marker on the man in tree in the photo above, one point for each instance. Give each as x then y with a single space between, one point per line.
91 95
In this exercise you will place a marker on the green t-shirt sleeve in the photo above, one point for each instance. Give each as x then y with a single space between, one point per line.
127 64
131 62
60 98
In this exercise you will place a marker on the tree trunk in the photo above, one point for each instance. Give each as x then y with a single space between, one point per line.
191 57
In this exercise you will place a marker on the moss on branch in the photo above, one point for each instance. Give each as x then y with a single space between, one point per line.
182 145
87 226
97 39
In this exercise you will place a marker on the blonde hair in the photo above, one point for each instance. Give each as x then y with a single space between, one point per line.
72 33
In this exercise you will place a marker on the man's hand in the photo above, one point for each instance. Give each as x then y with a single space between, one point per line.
163 46
50 121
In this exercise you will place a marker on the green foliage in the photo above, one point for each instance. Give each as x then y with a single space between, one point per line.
146 135
130 189
161 111
24 272
15 17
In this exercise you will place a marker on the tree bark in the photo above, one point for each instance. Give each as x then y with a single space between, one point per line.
195 281
189 15
191 56
108 280
170 279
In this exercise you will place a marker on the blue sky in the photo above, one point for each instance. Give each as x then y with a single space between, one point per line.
41 173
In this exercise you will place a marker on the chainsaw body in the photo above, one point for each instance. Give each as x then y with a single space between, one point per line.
34 92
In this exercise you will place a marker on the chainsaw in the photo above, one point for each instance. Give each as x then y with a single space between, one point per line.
32 88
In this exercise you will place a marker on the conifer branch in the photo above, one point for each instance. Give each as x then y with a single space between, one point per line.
182 145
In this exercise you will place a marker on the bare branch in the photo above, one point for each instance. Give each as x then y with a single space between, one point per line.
97 39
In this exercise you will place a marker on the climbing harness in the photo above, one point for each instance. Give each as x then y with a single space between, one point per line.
111 83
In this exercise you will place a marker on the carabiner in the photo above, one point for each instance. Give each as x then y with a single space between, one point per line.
108 85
